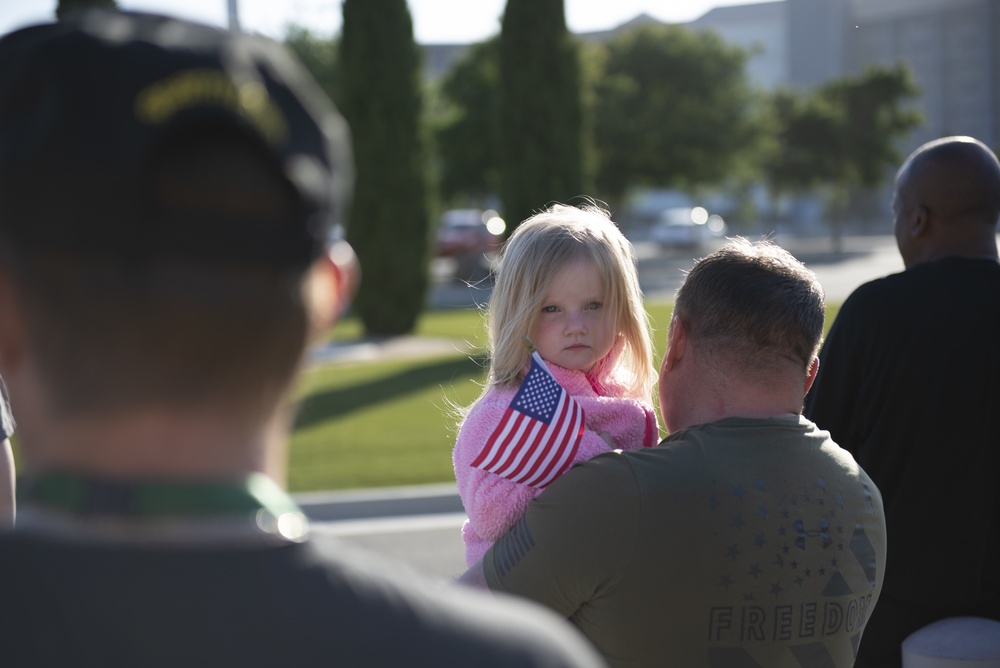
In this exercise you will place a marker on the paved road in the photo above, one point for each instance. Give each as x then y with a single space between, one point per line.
420 526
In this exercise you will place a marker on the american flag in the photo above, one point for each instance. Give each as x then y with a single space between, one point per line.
539 433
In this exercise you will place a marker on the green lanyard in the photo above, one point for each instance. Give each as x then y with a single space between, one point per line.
77 494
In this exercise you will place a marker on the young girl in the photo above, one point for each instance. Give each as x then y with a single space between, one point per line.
567 280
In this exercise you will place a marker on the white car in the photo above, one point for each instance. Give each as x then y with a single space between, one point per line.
686 227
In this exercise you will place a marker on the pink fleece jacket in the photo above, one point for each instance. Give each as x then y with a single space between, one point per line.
494 503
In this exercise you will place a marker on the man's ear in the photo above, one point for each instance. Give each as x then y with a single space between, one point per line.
677 341
811 375
921 225
331 283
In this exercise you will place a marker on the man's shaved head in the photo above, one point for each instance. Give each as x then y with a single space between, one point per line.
957 178
947 201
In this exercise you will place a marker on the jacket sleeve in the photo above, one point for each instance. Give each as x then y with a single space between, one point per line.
494 503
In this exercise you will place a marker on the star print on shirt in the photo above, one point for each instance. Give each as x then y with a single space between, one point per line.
797 527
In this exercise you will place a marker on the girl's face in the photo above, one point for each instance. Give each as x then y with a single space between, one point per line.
574 329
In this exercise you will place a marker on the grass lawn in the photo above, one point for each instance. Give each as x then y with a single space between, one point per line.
393 422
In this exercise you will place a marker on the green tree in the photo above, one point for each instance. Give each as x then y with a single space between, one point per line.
540 109
64 7
840 136
673 107
468 138
805 152
875 119
380 96
319 55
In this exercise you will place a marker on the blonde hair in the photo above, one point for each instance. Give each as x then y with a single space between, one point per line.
530 259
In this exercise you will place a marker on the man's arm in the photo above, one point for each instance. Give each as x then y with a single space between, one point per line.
592 509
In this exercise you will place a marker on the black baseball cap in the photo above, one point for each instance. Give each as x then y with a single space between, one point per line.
88 103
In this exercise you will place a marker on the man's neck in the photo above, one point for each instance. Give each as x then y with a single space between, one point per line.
974 247
727 395
150 444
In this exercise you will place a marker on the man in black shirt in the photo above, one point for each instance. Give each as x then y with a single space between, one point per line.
909 383
166 196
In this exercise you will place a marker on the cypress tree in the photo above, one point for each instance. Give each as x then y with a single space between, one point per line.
381 99
64 7
540 109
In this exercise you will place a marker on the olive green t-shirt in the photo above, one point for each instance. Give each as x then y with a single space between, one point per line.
744 542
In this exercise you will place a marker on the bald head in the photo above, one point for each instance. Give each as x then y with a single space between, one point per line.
947 201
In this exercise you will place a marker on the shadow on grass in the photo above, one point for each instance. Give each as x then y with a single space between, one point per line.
323 406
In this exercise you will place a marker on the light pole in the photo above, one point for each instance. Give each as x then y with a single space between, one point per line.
234 18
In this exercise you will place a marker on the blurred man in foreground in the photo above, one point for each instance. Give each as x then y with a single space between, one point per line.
910 384
746 537
166 192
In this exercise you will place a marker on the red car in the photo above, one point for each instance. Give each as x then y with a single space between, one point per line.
467 232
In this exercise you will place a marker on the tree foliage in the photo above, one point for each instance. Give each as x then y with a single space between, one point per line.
540 109
841 134
468 138
65 7
874 119
673 108
319 55
806 143
380 96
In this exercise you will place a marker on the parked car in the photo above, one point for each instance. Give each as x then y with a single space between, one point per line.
686 227
468 232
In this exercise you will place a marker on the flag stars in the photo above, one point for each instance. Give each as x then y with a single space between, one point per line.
776 589
725 582
754 571
759 540
736 521
733 551
760 484
739 492
833 562
762 511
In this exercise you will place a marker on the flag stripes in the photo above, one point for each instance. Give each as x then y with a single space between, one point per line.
539 433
